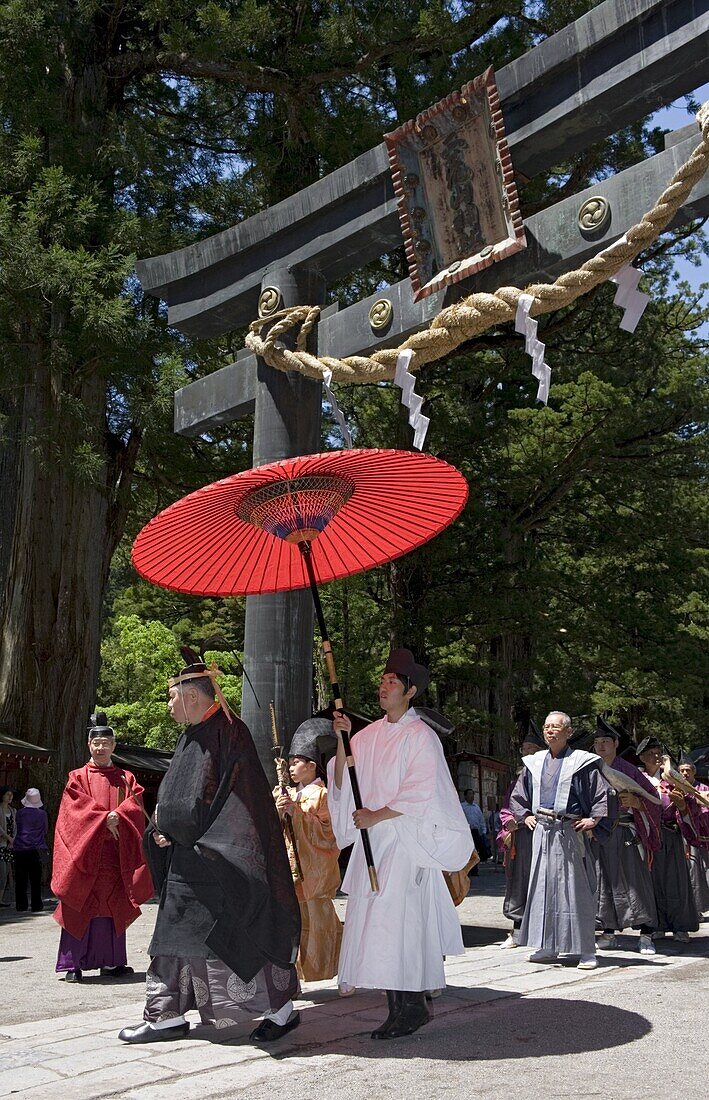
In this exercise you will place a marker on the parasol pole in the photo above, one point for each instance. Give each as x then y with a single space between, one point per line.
305 550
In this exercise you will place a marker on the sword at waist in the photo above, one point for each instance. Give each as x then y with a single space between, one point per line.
552 815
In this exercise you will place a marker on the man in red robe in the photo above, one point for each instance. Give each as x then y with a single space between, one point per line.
100 875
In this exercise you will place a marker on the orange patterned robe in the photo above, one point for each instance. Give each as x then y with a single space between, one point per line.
321 933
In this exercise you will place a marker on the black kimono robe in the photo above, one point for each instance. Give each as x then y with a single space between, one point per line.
225 884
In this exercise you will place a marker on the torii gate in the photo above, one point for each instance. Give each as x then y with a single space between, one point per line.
617 63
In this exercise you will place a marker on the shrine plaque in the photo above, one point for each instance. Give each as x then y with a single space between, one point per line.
454 184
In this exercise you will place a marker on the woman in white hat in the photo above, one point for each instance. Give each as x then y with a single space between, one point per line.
30 842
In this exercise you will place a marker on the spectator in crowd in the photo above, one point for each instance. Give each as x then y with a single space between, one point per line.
29 848
494 824
476 820
7 836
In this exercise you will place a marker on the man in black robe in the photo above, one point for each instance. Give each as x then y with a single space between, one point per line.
228 924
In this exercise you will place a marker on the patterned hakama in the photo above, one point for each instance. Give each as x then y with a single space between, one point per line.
175 986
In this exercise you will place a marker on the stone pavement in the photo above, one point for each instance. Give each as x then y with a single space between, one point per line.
503 1026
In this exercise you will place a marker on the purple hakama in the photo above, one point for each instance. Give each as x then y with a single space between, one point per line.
99 946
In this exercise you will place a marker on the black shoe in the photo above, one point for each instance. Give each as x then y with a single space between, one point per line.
267 1031
394 1000
73 976
413 1014
116 971
144 1033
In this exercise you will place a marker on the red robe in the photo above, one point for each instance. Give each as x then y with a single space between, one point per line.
95 875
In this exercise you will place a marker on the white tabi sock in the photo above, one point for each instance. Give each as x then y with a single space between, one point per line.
174 1021
282 1016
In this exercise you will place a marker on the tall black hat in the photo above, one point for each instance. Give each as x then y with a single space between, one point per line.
401 662
685 758
98 725
649 743
313 739
533 736
605 729
437 721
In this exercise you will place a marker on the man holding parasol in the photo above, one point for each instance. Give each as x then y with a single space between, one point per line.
395 938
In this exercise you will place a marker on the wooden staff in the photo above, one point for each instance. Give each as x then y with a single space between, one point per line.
282 778
304 548
131 794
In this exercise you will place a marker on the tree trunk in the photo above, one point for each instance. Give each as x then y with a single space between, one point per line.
57 564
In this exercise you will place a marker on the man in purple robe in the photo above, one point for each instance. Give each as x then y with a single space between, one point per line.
676 908
516 845
561 797
626 898
697 844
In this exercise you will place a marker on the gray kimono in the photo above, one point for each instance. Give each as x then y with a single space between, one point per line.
560 914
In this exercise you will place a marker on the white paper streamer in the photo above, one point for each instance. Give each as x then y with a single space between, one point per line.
409 399
337 411
533 345
632 301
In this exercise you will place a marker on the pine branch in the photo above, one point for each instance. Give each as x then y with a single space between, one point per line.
255 78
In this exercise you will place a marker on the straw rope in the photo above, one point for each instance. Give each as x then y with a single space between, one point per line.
475 314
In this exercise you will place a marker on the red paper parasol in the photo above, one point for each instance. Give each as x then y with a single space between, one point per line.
356 509
297 523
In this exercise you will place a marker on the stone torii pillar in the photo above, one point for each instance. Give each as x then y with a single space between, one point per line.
278 640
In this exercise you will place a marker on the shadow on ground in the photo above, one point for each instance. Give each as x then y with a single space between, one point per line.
480 935
510 1028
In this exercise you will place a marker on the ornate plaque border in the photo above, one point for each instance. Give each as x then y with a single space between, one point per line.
411 198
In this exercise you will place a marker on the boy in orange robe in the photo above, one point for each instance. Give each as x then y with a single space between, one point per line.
100 875
316 874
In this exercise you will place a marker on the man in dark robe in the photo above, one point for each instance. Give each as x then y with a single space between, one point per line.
228 924
697 842
626 898
516 845
99 871
676 908
561 797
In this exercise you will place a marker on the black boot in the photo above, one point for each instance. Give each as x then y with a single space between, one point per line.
414 1013
394 998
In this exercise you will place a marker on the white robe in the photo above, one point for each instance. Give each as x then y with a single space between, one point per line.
396 938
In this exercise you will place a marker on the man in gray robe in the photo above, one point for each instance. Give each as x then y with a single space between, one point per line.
626 898
561 797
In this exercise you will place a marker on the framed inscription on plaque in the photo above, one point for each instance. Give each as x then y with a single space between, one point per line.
454 185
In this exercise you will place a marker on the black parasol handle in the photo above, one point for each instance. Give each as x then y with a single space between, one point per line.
304 548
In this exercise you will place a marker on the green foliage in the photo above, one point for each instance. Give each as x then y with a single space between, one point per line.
577 574
138 658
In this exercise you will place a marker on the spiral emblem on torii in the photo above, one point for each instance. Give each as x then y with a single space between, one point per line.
269 301
594 215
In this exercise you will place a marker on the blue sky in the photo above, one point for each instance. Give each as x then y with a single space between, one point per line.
674 117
